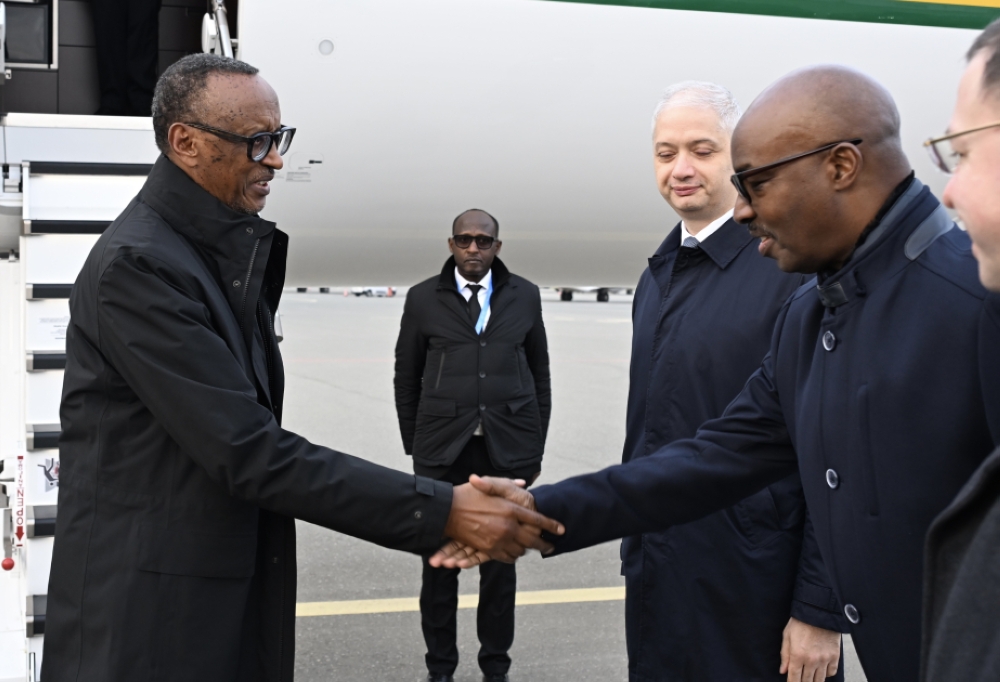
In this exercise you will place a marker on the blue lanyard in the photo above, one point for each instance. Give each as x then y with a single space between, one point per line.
481 322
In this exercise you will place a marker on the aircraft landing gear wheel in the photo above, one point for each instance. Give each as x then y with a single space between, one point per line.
603 295
565 295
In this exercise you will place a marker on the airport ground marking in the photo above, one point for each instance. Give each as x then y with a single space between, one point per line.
465 601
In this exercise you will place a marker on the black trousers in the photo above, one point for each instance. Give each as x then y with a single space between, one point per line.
127 36
497 583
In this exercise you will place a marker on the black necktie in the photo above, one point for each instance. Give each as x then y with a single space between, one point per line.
689 254
474 308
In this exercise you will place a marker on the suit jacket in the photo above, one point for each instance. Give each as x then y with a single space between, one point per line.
709 600
880 388
962 584
448 378
174 554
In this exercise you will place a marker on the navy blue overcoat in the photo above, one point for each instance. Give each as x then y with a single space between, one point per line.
881 386
709 600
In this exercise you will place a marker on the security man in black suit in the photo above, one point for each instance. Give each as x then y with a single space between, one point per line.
473 397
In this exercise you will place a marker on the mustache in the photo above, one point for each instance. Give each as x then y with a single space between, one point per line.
266 177
758 230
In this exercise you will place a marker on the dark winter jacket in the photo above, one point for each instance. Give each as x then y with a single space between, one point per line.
879 388
448 377
962 584
174 553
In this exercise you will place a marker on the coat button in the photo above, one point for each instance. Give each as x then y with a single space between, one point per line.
418 515
482 375
249 230
832 479
275 559
829 341
236 282
852 614
482 408
482 343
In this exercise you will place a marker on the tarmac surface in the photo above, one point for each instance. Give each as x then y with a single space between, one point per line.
338 355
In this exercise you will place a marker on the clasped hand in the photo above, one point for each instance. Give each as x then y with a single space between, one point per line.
492 518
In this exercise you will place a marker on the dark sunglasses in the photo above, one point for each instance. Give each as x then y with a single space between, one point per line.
737 178
258 144
464 241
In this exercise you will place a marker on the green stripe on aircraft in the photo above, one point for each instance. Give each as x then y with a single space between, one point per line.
946 13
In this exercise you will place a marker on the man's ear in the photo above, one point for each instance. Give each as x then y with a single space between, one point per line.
451 245
499 244
182 145
845 166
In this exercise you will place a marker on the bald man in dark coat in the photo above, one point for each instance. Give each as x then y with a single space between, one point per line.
880 383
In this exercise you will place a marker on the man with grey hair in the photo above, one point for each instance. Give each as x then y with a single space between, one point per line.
742 593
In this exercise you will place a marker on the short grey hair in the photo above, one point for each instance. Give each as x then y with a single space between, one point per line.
701 94
179 90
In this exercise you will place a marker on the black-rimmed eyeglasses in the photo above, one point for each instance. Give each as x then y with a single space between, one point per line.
464 241
258 144
737 178
942 155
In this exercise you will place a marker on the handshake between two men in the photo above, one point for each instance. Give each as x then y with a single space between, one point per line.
493 518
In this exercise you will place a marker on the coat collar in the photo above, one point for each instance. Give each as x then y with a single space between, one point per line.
501 275
236 247
198 215
499 300
911 225
722 246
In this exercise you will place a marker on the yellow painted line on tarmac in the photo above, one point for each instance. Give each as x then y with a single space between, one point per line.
465 601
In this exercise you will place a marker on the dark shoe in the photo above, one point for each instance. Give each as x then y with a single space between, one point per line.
439 677
499 677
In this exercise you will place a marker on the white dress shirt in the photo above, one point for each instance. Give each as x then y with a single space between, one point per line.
463 288
706 231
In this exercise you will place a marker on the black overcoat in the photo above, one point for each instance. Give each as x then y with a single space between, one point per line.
709 600
448 378
174 553
962 584
880 388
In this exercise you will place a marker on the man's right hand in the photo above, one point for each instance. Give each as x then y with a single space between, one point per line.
492 518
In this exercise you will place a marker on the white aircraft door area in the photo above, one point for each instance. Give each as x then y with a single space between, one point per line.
46 322
57 258
78 197
75 175
538 112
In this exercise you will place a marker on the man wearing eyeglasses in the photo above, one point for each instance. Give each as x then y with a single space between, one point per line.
880 386
702 319
961 628
174 553
473 397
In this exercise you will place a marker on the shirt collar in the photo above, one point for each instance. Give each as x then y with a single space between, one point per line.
484 282
723 248
708 230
